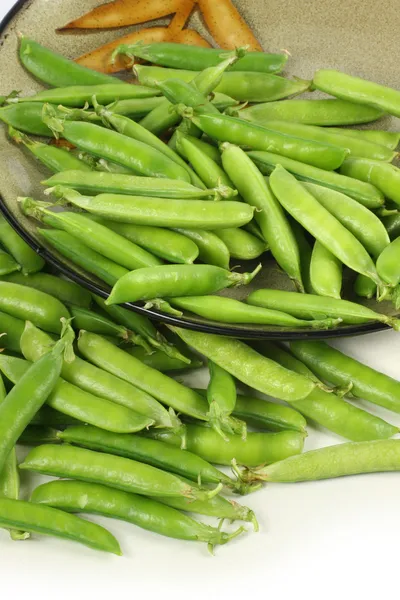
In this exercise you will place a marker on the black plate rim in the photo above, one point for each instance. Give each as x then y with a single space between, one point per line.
159 316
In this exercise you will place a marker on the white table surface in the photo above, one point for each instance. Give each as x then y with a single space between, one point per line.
332 539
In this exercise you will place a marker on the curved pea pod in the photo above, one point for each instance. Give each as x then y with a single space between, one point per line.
305 254
388 263
95 235
389 139
73 496
26 117
363 192
257 449
334 461
365 287
141 158
114 471
168 391
221 396
355 146
161 362
143 327
358 90
312 112
149 451
211 174
81 95
340 369
8 264
65 290
12 329
248 366
74 402
270 215
212 250
30 304
384 177
166 244
101 384
122 183
56 70
140 210
244 133
325 272
308 306
229 310
358 219
330 411
17 514
242 244
175 280
268 415
19 249
55 159
211 151
83 256
306 209
195 58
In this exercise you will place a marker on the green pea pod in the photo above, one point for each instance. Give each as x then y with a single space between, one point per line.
81 95
312 112
114 471
162 362
140 210
175 280
308 306
389 139
28 395
334 461
257 449
26 117
56 70
65 290
242 244
305 254
365 287
358 219
56 159
12 329
270 215
101 384
98 237
310 214
384 177
166 244
8 264
19 249
47 417
9 477
221 396
96 323
45 520
387 264
248 366
148 451
211 151
356 89
122 183
163 388
27 303
229 310
392 225
136 108
244 133
325 272
268 415
194 58
74 496
74 402
143 327
141 158
356 147
329 410
35 435
363 192
212 250
83 256
211 174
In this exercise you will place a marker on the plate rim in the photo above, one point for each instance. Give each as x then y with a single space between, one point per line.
155 315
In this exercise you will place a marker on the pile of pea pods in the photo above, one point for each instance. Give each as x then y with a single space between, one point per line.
95 388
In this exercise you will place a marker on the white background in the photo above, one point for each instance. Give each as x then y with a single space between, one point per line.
332 539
